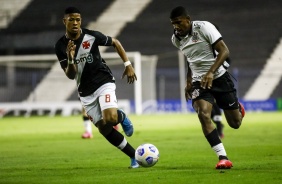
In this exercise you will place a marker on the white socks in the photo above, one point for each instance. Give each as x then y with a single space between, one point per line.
88 126
219 150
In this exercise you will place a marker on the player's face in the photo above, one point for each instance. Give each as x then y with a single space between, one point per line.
181 25
73 23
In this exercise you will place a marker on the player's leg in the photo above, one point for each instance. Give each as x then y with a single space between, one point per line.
217 119
87 125
203 109
125 122
116 127
232 109
228 101
105 126
107 115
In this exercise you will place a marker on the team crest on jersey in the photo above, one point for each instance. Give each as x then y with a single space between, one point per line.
86 44
195 37
195 93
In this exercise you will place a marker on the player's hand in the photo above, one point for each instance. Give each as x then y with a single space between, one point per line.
71 50
206 81
130 73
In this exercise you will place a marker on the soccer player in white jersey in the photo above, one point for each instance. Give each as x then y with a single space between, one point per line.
80 58
87 125
207 80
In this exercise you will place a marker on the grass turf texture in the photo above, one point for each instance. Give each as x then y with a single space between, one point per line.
50 150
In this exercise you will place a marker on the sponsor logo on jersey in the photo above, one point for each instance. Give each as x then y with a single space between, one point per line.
86 57
197 77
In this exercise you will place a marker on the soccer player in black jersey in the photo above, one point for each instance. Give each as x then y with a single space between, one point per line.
79 56
207 79
87 124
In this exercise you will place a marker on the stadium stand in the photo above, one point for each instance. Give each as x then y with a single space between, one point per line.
251 29
10 9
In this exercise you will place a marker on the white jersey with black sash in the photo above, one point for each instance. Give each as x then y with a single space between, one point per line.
197 46
92 69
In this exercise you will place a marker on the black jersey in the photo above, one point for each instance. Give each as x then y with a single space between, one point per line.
92 71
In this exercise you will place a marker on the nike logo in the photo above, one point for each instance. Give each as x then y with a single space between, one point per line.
232 104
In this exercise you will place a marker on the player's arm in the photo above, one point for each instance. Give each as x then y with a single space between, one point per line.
188 87
71 69
129 70
223 54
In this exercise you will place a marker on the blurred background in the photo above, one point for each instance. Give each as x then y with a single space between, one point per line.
32 81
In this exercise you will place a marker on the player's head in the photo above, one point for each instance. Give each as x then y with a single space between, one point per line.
72 20
180 20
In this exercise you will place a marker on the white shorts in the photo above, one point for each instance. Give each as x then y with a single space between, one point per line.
103 98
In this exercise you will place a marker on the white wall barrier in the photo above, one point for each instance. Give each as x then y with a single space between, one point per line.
48 108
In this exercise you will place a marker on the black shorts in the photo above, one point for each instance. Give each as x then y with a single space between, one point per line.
222 91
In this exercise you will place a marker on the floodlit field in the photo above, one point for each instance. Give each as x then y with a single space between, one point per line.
49 150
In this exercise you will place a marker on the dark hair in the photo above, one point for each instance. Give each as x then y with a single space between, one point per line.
178 11
71 10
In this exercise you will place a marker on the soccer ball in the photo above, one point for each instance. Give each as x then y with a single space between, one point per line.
147 155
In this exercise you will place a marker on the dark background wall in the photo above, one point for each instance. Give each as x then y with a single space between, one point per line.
251 29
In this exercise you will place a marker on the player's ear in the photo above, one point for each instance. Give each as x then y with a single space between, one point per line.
188 19
64 21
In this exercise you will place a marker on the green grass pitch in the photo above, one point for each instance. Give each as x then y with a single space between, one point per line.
48 150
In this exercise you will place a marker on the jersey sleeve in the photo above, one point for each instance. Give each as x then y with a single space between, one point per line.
62 56
103 40
210 32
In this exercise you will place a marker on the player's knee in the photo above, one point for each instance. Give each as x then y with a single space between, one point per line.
111 119
204 116
235 124
103 128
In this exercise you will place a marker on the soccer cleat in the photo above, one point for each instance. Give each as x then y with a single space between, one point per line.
87 135
127 125
224 164
242 109
133 164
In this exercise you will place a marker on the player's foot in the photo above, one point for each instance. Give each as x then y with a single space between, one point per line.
87 135
242 109
224 164
133 164
127 125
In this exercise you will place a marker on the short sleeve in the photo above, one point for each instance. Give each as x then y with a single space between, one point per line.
102 39
210 32
62 56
